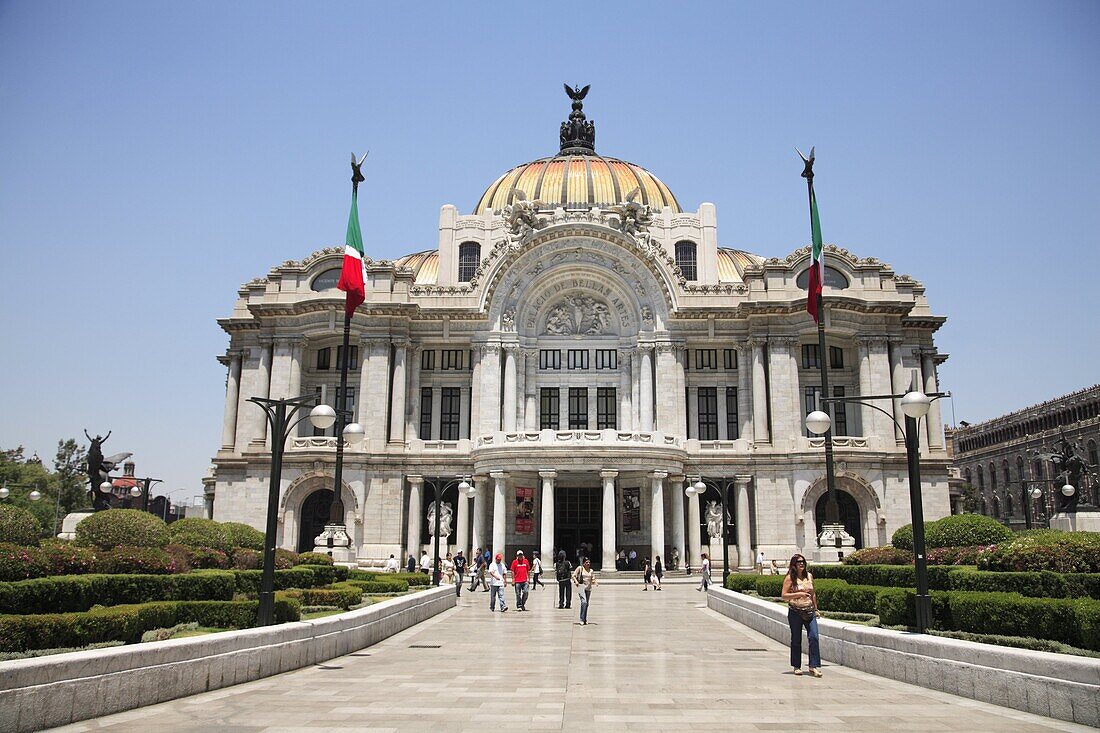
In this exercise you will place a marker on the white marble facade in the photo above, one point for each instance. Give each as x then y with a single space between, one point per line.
659 375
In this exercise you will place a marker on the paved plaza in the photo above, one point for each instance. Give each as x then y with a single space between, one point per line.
647 661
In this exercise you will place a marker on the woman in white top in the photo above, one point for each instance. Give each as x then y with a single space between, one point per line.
536 571
449 569
585 579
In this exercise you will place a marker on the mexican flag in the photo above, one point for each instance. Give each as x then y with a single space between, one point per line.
351 277
817 267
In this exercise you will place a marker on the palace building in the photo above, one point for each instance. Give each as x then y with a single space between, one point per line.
581 348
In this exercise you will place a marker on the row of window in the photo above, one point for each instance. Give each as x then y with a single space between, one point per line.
578 359
450 413
708 413
324 360
1037 469
447 359
607 408
811 357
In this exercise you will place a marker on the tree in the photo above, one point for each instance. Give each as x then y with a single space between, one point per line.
69 475
22 476
972 498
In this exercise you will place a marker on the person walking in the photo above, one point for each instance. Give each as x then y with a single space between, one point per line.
798 592
460 572
475 565
585 578
520 570
647 574
448 569
498 578
632 563
658 573
536 571
563 571
425 563
391 564
704 582
410 566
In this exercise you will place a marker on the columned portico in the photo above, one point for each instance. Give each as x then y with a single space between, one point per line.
416 492
510 396
232 394
645 386
397 406
546 546
744 528
609 512
677 499
500 485
657 517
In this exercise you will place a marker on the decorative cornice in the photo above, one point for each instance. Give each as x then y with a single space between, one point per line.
607 473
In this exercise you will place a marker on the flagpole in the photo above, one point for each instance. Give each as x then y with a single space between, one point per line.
832 508
336 510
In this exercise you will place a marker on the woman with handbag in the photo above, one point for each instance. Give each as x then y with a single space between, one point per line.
798 592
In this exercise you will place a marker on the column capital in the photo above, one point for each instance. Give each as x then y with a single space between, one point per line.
480 481
641 348
373 340
490 348
400 342
416 481
606 474
787 341
742 480
548 475
289 340
664 348
659 475
677 478
510 347
415 348
498 475
266 340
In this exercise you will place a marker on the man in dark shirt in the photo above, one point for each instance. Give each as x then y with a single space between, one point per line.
563 569
460 570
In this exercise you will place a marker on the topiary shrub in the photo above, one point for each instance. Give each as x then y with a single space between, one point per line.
342 596
903 537
741 582
314 558
247 559
1062 552
965 530
181 556
67 558
149 560
886 555
389 585
195 532
19 563
207 558
18 526
113 528
243 535
955 555
285 559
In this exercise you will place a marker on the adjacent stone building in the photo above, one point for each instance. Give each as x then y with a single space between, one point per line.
579 346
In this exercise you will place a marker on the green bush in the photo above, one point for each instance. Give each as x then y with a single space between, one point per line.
903 537
886 555
133 560
413 579
965 530
195 532
128 623
1062 552
381 586
113 528
248 581
342 596
19 563
1082 585
954 555
18 526
285 559
1043 584
314 558
66 558
81 592
770 586
837 595
246 559
741 582
181 556
208 558
244 535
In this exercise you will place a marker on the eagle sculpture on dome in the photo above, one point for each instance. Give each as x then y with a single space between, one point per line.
521 216
634 218
576 93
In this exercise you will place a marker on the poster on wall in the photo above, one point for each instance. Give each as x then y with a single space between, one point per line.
525 510
632 510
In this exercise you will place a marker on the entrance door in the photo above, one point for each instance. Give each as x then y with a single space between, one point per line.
849 515
315 510
578 522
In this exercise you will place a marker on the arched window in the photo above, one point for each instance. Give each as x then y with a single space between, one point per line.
686 260
469 256
1037 470
833 279
1007 475
969 477
1008 505
981 478
1092 452
326 280
1020 469
996 506
992 477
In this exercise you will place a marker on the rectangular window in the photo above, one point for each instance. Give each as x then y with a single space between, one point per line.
427 360
426 413
708 413
549 409
811 357
839 413
450 409
353 357
452 359
835 409
706 358
330 398
549 359
606 408
323 357
729 358
607 359
836 357
578 408
578 358
731 414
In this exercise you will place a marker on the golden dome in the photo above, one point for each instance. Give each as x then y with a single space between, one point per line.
425 266
577 182
732 264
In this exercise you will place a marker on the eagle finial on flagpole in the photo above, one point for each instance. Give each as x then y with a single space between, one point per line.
357 173
808 172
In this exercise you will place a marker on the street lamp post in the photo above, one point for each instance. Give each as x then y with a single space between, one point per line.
914 405
699 488
34 495
279 414
323 416
437 491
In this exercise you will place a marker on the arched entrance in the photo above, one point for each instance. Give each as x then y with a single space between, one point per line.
314 517
849 515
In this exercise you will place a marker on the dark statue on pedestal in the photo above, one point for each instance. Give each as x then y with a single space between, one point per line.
99 468
578 134
1073 470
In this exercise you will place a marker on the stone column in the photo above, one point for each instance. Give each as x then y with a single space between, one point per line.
677 499
476 388
881 384
744 392
695 542
416 493
759 397
679 423
374 382
933 420
645 387
563 408
744 528
657 514
783 388
610 512
462 531
232 394
510 396
398 389
478 508
500 537
669 394
866 412
296 349
626 421
412 404
897 386
488 387
546 525
263 389
635 390
530 390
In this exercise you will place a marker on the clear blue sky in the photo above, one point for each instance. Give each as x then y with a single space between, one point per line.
154 156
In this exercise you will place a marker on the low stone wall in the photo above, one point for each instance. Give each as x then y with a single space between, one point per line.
49 691
1056 685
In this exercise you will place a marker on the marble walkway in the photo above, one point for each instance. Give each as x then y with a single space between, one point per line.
648 661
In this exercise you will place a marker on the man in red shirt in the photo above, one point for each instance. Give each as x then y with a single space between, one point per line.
520 569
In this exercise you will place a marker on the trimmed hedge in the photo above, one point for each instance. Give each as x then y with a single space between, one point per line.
66 558
247 559
1043 584
208 558
1063 552
133 560
127 623
196 532
117 527
18 526
244 535
879 556
343 596
80 592
19 563
413 579
956 530
381 586
314 558
248 581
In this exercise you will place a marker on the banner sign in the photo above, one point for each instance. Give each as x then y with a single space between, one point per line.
525 510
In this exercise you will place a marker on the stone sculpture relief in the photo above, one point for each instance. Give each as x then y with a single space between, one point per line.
578 315
714 519
444 519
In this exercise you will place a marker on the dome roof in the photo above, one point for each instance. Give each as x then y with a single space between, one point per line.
424 265
577 182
